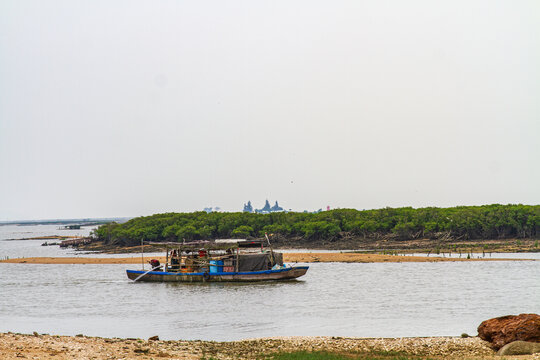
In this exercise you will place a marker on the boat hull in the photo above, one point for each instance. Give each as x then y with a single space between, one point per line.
162 276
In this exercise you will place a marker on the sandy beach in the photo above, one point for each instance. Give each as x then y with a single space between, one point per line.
21 346
287 257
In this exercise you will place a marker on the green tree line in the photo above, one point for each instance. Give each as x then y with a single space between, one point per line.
463 222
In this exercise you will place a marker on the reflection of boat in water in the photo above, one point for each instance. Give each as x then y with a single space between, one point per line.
215 261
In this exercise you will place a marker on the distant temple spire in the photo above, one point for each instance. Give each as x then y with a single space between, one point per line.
248 207
276 207
267 208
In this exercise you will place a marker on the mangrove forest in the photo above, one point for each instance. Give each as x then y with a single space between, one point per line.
456 223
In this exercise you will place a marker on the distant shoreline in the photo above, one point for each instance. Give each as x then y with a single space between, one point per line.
47 237
287 258
82 222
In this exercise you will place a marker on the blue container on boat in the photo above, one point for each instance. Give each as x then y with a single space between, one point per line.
216 266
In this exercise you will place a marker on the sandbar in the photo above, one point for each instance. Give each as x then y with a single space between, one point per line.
287 258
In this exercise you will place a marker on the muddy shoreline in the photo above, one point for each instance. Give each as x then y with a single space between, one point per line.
427 246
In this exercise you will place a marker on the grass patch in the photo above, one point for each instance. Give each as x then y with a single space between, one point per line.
323 355
304 355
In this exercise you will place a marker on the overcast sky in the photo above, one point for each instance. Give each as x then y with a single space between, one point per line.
128 108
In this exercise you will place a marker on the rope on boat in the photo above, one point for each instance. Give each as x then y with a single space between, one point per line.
140 276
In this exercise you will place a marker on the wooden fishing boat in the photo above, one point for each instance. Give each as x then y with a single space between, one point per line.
278 274
218 261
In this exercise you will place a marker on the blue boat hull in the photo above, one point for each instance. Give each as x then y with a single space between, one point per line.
162 276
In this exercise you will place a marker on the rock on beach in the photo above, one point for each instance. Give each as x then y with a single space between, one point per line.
506 329
519 348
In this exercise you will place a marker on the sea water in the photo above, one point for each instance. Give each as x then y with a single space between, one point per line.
334 299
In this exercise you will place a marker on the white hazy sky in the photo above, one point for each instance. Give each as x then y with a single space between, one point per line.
127 108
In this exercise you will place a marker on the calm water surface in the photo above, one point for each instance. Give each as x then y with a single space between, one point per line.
8 232
365 300
13 248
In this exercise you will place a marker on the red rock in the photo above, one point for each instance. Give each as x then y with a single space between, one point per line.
505 329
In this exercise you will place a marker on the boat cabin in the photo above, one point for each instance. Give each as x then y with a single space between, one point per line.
220 257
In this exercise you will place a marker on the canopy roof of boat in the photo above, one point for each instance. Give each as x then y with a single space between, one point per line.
209 245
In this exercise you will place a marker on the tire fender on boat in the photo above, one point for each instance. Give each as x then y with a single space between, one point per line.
206 276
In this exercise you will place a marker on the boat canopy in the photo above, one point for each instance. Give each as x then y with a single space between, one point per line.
210 245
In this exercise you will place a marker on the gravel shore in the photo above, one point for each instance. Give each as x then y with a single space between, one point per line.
20 346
